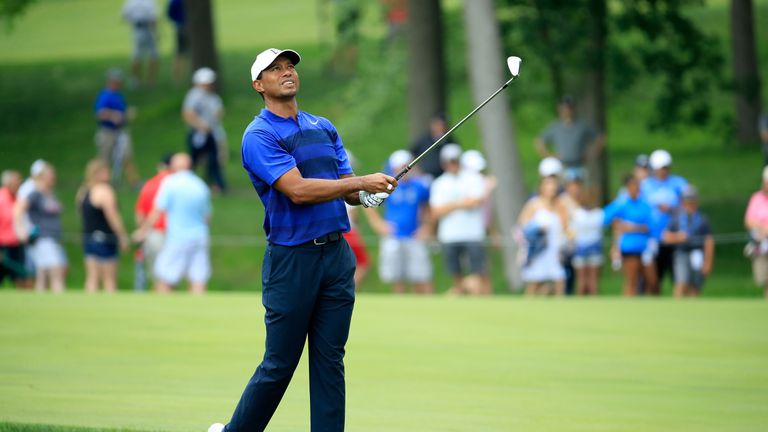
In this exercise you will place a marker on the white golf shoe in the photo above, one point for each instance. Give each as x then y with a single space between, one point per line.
216 427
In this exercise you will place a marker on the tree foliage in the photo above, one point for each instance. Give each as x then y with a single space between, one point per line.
646 38
10 9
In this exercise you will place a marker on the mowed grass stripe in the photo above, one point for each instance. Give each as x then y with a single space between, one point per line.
145 362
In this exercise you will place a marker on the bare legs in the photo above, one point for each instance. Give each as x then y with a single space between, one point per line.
100 271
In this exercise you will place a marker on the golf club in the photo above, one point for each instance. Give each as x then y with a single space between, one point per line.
513 63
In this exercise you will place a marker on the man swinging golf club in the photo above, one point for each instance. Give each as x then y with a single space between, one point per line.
299 168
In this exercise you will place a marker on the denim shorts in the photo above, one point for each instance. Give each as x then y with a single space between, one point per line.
103 250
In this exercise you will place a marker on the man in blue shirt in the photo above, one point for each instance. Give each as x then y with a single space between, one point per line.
404 255
298 166
663 191
112 138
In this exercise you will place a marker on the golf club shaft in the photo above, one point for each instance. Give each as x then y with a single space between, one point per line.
413 163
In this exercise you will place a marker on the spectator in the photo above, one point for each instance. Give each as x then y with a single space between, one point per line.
404 257
543 220
11 249
571 197
763 128
177 14
474 161
456 200
26 188
186 201
431 164
663 191
202 111
354 238
103 230
632 221
153 242
112 138
142 16
756 221
570 140
689 231
44 212
550 166
585 225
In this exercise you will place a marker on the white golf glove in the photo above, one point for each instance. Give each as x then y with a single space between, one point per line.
368 199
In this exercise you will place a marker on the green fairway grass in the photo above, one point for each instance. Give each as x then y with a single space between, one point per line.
179 363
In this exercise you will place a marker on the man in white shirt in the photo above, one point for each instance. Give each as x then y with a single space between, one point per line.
456 198
186 201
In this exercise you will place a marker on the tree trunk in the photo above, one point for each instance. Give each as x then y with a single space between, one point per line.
199 16
487 70
426 65
745 73
593 104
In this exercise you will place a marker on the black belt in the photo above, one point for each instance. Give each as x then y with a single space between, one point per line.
328 238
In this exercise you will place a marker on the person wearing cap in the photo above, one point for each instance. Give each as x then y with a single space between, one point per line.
297 163
112 138
406 225
430 164
474 161
153 243
142 16
456 200
202 111
663 191
756 222
569 139
690 234
550 166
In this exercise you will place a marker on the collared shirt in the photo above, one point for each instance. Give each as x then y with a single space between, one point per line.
570 141
402 208
666 192
146 200
635 211
186 201
273 145
7 233
110 99
462 225
757 210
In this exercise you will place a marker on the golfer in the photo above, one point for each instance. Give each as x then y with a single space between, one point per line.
298 165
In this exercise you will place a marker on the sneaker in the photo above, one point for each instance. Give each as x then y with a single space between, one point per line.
216 427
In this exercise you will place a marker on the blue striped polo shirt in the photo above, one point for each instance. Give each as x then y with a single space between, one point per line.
272 145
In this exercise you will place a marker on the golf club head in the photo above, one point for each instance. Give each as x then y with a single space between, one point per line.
513 63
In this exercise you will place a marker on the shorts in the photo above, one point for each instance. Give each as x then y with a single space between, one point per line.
152 246
465 257
113 144
588 255
358 247
144 42
47 253
687 267
100 248
188 258
12 263
404 260
760 270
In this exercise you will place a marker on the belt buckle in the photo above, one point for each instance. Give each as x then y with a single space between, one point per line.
319 242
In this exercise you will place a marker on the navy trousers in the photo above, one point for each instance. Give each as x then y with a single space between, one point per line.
308 294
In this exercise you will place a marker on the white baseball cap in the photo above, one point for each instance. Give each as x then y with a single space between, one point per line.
266 57
37 167
472 160
204 75
400 158
550 166
660 159
450 152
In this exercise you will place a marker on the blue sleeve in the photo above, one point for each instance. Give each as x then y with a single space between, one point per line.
100 102
265 157
612 211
